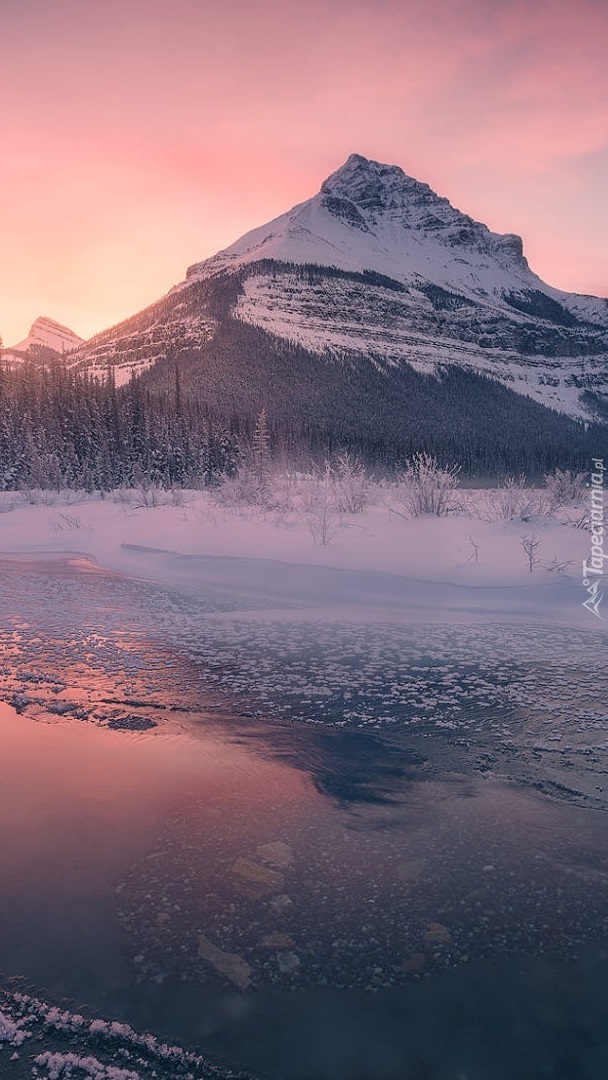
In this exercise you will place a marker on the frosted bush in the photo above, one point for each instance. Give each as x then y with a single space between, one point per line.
243 489
123 496
39 496
352 485
149 495
427 488
68 1066
514 501
564 488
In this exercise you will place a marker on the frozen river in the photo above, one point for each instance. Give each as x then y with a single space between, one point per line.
307 848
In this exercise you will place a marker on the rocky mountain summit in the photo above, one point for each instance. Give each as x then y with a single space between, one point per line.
378 300
46 337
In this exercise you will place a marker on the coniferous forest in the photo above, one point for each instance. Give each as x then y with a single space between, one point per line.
318 404
62 429
190 419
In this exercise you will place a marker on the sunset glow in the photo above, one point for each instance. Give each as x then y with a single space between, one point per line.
139 138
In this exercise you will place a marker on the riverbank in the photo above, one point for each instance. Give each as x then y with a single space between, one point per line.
379 561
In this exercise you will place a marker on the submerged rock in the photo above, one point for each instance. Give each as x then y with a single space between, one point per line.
411 869
278 941
277 853
257 880
131 723
288 962
232 966
414 963
437 934
281 903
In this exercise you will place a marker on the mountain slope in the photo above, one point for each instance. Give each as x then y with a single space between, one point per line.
45 337
468 295
373 274
369 216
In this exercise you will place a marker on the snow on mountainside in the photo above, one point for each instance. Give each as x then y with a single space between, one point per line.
377 266
370 216
167 328
410 332
47 334
496 316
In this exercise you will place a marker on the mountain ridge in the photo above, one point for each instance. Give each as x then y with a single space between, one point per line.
406 226
48 335
374 271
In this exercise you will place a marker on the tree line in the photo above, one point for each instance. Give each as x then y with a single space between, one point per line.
194 418
60 428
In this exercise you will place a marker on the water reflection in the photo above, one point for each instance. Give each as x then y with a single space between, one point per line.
217 874
344 765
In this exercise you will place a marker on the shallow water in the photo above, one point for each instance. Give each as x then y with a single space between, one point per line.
306 900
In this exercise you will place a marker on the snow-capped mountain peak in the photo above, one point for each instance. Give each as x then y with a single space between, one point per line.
45 333
378 268
382 193
371 216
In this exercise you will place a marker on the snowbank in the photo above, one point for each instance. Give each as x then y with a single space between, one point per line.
378 561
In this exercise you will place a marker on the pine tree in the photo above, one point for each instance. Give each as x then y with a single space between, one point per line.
261 453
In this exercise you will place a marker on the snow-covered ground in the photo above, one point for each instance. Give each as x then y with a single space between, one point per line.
299 612
380 561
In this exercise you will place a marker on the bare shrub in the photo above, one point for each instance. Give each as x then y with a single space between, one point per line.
564 488
559 566
149 495
322 525
474 555
38 496
318 505
179 497
123 496
531 544
352 485
514 501
582 521
426 488
67 523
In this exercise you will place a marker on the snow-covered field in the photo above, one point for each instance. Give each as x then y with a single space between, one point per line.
304 551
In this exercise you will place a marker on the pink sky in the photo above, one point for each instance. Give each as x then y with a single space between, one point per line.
139 136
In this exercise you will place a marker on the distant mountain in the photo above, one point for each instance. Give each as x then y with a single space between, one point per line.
376 305
45 337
